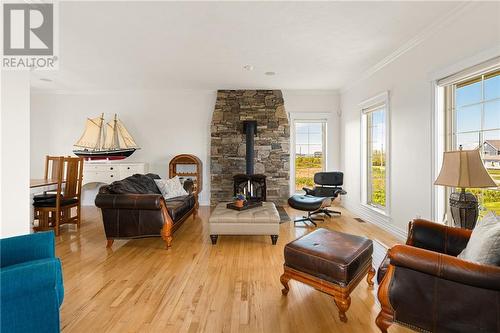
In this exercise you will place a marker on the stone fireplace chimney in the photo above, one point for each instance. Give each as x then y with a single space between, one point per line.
263 113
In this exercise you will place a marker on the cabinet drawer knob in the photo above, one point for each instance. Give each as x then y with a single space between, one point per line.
128 168
111 168
111 176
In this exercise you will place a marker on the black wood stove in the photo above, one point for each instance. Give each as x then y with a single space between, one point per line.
253 186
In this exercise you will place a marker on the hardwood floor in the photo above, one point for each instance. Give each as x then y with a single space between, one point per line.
234 286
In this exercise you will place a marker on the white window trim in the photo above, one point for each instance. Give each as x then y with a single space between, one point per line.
382 98
488 59
306 117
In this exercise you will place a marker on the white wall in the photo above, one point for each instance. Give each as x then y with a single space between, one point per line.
164 123
15 158
408 78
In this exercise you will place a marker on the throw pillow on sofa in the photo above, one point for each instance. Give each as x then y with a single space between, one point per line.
170 188
484 243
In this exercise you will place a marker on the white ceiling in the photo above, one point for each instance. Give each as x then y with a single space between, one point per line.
204 45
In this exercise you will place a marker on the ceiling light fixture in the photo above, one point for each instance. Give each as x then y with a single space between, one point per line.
270 73
248 67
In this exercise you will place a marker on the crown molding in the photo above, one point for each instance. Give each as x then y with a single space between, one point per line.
427 32
119 92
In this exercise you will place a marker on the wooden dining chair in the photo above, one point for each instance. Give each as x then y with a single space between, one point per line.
55 211
52 167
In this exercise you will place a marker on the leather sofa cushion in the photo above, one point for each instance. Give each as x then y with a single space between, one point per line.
179 206
329 255
52 202
135 184
308 203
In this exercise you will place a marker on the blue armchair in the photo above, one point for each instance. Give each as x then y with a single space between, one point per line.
31 284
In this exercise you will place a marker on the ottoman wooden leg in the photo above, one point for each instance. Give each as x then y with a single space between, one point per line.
284 281
343 305
214 239
369 277
274 239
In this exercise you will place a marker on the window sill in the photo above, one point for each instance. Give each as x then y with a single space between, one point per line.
376 210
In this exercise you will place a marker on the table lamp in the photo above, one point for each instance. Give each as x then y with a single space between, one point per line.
464 169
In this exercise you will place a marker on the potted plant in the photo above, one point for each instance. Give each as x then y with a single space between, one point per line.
239 200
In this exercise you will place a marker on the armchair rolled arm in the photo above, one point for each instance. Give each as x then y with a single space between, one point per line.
129 201
437 237
445 266
19 249
31 277
309 191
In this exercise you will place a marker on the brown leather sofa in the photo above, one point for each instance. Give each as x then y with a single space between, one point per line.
424 286
134 208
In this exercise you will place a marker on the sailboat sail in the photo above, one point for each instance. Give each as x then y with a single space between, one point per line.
109 142
91 137
125 140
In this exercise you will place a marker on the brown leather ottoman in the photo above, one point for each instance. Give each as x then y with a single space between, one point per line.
331 262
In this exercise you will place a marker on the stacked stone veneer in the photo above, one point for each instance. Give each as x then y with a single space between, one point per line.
272 143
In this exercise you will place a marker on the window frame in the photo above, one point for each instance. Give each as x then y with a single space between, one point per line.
451 120
375 103
324 129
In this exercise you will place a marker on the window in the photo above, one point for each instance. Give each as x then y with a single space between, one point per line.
310 152
474 118
375 155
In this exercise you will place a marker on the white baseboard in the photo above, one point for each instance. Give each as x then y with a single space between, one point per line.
383 222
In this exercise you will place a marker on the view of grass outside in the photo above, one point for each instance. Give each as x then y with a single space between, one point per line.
376 158
305 168
378 179
308 153
489 200
477 125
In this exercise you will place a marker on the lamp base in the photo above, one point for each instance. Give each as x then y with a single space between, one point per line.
464 209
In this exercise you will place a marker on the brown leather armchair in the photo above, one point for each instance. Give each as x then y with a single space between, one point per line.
424 286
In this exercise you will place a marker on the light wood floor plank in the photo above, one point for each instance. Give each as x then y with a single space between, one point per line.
234 286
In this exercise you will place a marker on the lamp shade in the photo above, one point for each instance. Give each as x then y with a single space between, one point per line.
464 169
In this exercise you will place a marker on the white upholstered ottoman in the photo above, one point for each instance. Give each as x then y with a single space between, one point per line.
264 220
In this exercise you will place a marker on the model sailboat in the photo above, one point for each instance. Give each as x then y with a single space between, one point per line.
111 141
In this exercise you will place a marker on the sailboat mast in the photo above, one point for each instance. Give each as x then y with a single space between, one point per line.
99 140
116 143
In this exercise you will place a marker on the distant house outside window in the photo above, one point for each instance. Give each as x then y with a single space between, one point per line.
474 116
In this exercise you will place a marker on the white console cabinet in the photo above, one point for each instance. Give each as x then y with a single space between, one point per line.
106 172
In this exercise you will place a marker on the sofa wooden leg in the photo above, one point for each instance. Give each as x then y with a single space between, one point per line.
284 279
343 305
369 277
109 244
383 321
168 224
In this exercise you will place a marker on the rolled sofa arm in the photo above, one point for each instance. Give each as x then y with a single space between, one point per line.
437 237
129 201
445 266
189 186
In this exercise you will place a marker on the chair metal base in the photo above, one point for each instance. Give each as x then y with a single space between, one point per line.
307 218
326 211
